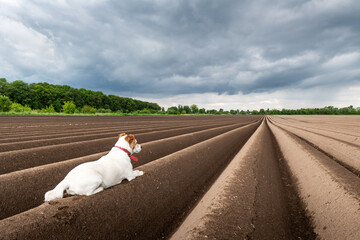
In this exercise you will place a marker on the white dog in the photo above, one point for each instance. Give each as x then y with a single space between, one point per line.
93 177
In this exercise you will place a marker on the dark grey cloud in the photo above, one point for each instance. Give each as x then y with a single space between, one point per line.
163 48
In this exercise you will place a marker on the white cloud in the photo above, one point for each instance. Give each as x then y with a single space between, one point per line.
291 98
164 48
259 63
347 96
26 47
342 61
189 81
327 5
148 46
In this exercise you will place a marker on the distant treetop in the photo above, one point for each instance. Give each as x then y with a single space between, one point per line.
42 95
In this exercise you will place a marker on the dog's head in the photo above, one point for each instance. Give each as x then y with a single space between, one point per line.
131 141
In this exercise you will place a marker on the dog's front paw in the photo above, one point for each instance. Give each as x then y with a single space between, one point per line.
140 173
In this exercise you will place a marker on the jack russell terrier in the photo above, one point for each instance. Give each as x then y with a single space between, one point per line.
93 177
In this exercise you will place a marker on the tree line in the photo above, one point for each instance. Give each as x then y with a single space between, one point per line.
19 96
329 110
45 95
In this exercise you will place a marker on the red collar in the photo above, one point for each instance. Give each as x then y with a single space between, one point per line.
129 154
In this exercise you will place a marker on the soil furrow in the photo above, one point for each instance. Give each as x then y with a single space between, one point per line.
339 130
68 133
31 184
344 174
149 207
296 177
74 126
341 163
22 159
330 192
352 140
254 198
347 154
21 143
279 211
84 130
55 141
33 122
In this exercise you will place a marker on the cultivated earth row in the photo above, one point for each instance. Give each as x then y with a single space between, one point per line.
214 177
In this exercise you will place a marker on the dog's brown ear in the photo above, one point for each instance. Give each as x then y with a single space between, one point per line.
122 134
131 140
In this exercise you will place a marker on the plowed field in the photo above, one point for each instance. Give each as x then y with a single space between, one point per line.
206 177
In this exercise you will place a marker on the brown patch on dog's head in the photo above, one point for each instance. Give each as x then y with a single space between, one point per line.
122 134
131 140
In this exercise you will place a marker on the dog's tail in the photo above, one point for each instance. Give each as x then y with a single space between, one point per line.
57 192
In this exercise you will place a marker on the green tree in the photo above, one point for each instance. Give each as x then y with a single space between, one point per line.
180 108
17 107
69 107
212 111
4 87
40 95
173 110
233 112
5 103
194 109
88 109
48 109
19 92
130 105
187 109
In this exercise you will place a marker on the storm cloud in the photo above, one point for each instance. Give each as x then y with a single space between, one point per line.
162 49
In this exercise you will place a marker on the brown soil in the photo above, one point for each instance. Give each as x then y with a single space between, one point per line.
343 148
330 191
31 181
254 198
21 159
294 178
147 208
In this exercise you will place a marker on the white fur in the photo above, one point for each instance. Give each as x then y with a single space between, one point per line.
93 177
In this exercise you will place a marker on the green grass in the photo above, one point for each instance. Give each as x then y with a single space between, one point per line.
35 113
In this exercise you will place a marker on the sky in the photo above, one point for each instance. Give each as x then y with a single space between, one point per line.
225 54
